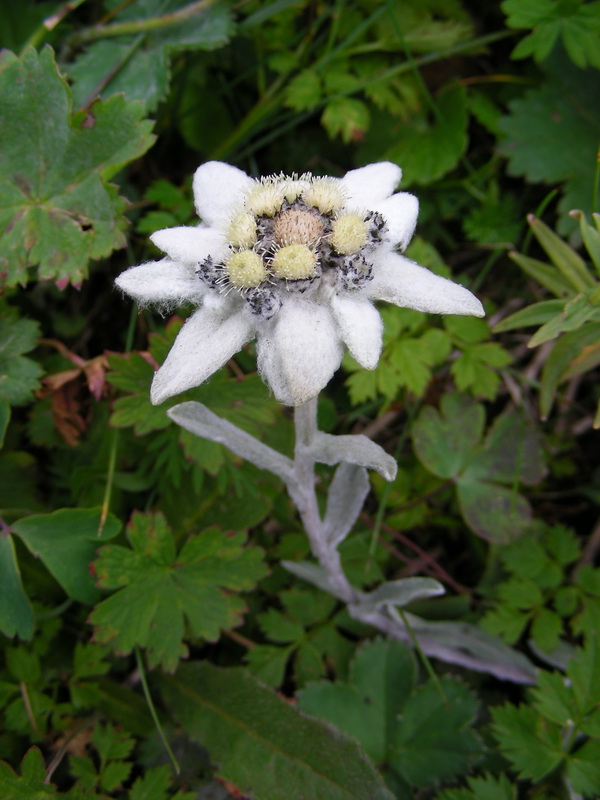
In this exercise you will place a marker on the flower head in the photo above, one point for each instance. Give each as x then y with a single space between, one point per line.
295 262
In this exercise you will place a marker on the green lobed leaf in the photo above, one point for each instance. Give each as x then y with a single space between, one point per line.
19 376
159 590
413 730
347 118
577 25
255 738
541 127
493 512
304 91
16 615
583 768
57 209
533 746
66 541
138 64
31 785
486 787
427 148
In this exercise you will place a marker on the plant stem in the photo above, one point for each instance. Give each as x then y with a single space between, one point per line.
141 25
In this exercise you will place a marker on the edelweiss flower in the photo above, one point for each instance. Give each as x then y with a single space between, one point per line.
295 262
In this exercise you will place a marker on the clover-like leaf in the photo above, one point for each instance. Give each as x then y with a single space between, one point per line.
450 443
160 589
57 209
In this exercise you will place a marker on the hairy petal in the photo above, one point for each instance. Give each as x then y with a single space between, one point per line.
360 327
400 212
368 185
299 352
206 342
163 283
217 188
191 245
404 283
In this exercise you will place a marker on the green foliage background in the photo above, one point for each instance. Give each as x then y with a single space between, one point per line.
127 545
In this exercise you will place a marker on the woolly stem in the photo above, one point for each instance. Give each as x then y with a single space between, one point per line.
301 489
302 492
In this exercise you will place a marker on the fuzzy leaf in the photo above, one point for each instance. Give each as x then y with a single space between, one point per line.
66 541
57 209
138 65
401 593
245 728
346 497
159 589
200 421
353 449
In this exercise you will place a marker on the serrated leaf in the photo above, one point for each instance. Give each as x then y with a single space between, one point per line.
57 209
138 64
19 376
429 148
31 785
347 118
244 726
576 24
533 746
382 676
160 590
16 614
66 541
411 730
554 698
432 741
304 91
583 768
486 787
541 127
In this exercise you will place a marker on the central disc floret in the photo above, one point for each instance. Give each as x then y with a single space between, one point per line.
294 234
296 226
294 262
